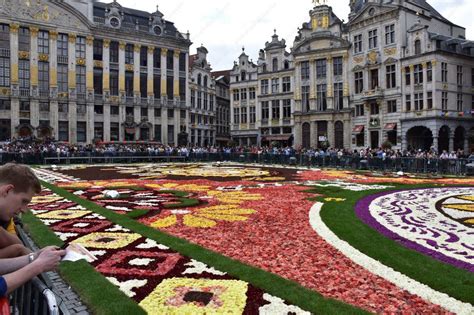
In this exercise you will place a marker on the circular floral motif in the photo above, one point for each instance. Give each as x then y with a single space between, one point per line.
427 220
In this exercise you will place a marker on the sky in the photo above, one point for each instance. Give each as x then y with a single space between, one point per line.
225 26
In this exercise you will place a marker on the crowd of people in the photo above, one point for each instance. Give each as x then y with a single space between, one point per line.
59 149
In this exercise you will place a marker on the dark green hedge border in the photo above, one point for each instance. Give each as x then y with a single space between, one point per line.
290 291
342 220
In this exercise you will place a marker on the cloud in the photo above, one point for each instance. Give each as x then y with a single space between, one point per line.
223 27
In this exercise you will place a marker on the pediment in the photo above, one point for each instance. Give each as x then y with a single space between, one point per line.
372 10
390 60
320 42
357 68
55 14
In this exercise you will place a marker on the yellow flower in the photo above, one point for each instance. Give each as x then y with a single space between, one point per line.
206 217
174 186
45 199
335 199
234 197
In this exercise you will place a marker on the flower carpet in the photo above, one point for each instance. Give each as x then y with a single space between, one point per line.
161 280
260 217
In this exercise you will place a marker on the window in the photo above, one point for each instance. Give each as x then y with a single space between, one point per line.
252 93
98 49
62 45
243 94
24 106
193 98
205 100
98 81
265 110
114 52
374 79
390 34
275 109
99 130
199 98
81 109
237 115
305 70
359 110
80 80
264 86
321 68
5 72
63 108
24 73
275 85
81 131
43 42
321 97
157 113
429 100
170 59
286 84
98 109
63 78
4 36
373 39
459 103
374 109
305 98
418 100
80 47
114 110
429 72
287 108
5 105
182 62
359 82
143 56
417 47
275 64
459 75
63 131
157 58
43 76
358 44
144 113
24 39
360 139
243 115
444 101
44 106
114 82
392 106
338 96
129 54
129 83
252 114
408 102
391 77
418 74
444 72
337 66
236 95
170 113
407 76
143 84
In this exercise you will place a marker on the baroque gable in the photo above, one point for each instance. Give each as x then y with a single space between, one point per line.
373 12
320 43
55 14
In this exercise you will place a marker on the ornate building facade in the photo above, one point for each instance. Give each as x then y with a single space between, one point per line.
222 79
84 71
203 94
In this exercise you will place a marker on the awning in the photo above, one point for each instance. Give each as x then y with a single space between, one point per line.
390 126
358 129
276 138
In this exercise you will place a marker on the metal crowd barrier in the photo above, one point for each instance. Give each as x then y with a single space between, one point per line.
404 164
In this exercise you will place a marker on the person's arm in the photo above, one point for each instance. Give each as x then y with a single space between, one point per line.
47 260
7 239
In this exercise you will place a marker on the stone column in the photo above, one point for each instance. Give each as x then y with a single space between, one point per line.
330 133
314 134
151 119
106 122
121 121
425 85
122 72
90 89
330 81
136 74
34 58
312 86
164 124
106 87
451 141
53 83
347 134
176 77
435 144
435 92
137 116
14 79
150 71
90 122
297 135
188 96
164 54
72 111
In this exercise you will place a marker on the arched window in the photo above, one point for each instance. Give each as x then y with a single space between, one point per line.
275 64
199 79
243 76
264 68
205 80
417 47
286 65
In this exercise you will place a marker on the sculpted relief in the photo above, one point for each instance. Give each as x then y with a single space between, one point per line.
40 11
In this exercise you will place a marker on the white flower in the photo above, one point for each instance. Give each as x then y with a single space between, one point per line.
278 307
127 286
197 267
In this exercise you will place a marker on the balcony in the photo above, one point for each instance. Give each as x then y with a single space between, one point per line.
24 92
24 114
286 121
373 94
81 96
63 59
264 122
44 93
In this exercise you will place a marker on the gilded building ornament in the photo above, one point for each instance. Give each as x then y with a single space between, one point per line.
434 63
411 68
53 35
358 59
151 49
5 91
80 62
423 65
164 52
390 51
43 57
14 28
372 56
176 53
23 54
72 38
98 64
89 40
128 67
34 31
137 48
106 43
122 45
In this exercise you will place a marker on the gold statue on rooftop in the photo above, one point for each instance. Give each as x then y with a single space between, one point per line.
319 2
